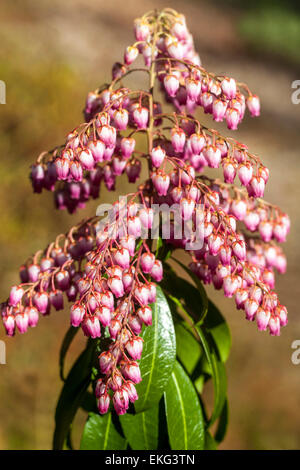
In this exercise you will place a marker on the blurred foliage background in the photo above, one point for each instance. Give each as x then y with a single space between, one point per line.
52 53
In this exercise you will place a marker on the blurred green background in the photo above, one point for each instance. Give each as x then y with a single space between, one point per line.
52 53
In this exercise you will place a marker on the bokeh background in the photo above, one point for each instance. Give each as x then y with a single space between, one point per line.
51 54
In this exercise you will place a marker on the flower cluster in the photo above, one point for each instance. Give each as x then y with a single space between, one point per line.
109 273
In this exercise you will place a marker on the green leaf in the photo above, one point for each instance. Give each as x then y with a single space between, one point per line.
215 323
218 373
210 443
100 433
158 355
142 429
184 413
223 423
72 394
69 336
188 348
200 288
182 289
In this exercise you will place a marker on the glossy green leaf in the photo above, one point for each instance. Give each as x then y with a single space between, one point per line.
200 288
223 423
188 348
210 443
189 296
158 354
215 323
69 336
100 433
218 373
72 394
141 430
186 425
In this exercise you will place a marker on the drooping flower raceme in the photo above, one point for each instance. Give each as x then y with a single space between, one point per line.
109 274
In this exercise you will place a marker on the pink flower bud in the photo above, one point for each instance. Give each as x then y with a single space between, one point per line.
171 84
129 243
97 149
100 388
147 261
141 30
253 104
187 207
122 257
91 327
266 230
178 139
103 403
251 221
229 170
142 295
107 300
135 347
157 271
145 314
245 172
86 159
281 311
262 318
161 182
121 401
77 314
116 286
151 292
76 171
130 54
213 156
219 109
193 88
127 146
33 316
232 118
257 186
132 371
57 300
104 315
21 320
105 362
215 241
239 209
9 324
121 119
114 328
33 272
239 249
62 166
176 50
131 390
134 226
41 301
274 326
133 170
15 296
241 296
157 156
228 86
250 307
230 285
140 117
108 135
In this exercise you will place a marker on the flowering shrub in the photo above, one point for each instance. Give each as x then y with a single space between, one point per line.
119 272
